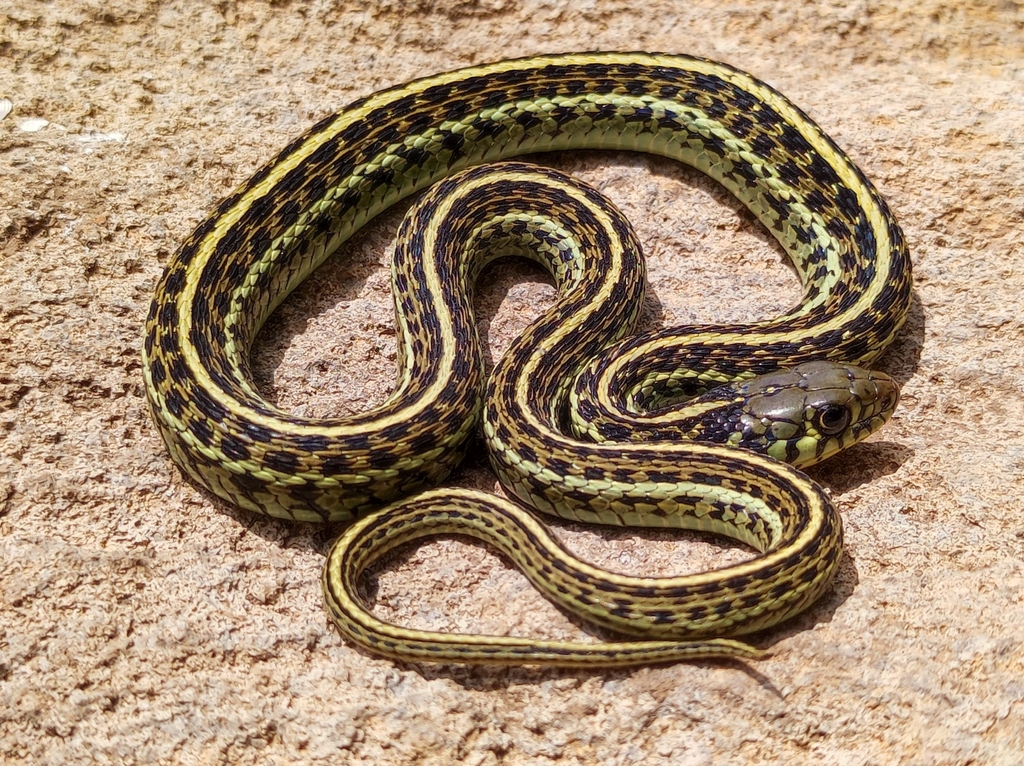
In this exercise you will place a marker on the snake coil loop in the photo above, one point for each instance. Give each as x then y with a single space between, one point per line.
635 402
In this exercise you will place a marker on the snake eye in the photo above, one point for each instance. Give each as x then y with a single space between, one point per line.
833 419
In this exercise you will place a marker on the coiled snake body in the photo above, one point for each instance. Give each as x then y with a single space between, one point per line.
581 419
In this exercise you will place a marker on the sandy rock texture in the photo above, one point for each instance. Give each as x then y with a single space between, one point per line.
142 621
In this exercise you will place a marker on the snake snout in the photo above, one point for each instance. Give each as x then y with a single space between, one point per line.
887 393
877 394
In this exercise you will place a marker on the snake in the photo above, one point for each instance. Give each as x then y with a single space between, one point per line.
702 427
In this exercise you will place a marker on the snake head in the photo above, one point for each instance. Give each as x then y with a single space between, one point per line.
805 414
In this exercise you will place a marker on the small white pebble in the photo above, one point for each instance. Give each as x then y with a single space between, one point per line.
96 137
32 124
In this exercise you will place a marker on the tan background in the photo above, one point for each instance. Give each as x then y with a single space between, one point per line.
142 621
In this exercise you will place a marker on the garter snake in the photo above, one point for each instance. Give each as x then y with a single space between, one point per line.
263 240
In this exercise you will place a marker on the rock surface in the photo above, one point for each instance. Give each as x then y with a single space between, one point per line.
144 622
